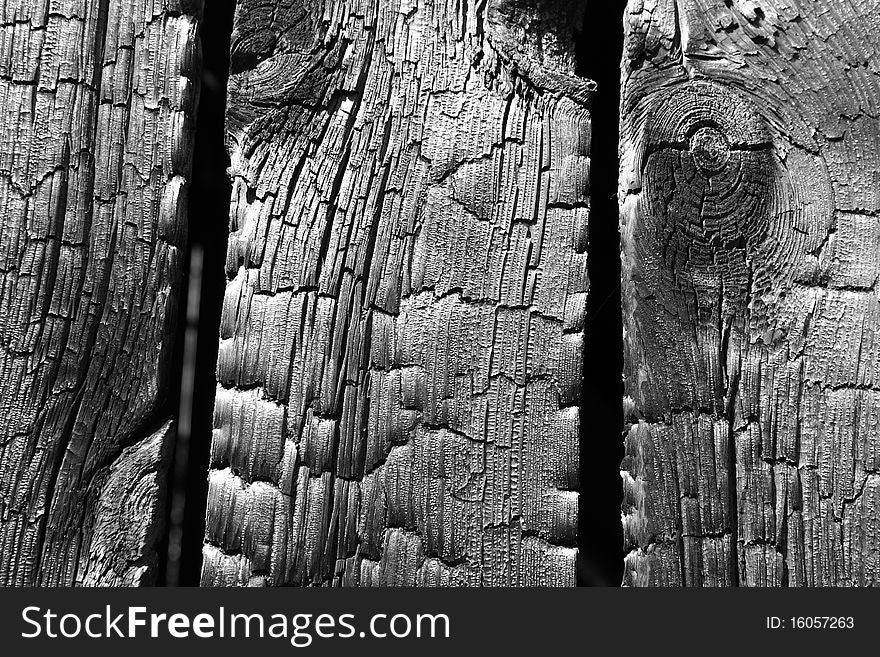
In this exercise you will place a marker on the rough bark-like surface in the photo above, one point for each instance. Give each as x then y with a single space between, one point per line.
96 129
402 332
751 251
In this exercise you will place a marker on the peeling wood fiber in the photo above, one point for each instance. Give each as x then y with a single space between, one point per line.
750 217
402 331
96 133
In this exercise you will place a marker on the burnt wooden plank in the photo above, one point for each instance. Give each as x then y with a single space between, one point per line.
751 249
97 101
402 334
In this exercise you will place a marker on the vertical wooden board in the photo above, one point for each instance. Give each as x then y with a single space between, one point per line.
402 332
749 198
96 133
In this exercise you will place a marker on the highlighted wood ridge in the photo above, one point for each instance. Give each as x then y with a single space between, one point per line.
751 247
402 332
98 99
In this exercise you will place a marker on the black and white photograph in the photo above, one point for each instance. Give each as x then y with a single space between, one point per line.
553 323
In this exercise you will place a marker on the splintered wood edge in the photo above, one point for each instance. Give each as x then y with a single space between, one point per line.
130 514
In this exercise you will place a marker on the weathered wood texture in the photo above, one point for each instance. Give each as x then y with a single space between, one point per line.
751 250
402 332
97 101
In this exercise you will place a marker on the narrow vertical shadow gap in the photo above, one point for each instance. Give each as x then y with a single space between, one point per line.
600 543
199 326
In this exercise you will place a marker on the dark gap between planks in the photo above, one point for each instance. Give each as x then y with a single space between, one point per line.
600 533
199 319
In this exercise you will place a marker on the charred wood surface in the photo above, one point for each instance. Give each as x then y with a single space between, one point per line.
98 98
751 251
402 331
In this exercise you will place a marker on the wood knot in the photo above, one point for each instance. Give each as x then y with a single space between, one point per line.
706 174
710 150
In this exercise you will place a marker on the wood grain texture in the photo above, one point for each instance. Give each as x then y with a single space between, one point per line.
751 250
402 331
96 131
